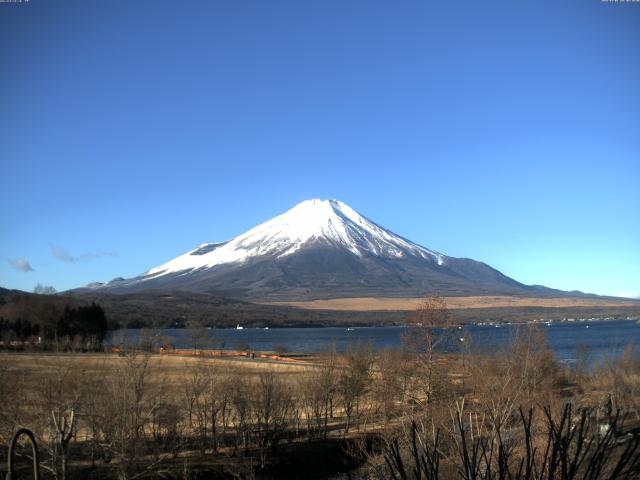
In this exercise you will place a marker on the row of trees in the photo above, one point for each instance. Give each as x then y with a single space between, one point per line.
515 413
139 419
133 418
21 330
82 327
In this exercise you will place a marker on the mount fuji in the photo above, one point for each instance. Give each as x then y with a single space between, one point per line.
321 249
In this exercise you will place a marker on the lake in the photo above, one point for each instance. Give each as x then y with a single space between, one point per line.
599 337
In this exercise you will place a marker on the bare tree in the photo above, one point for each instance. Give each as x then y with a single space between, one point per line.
620 379
391 382
354 381
44 289
13 393
241 411
532 364
129 405
205 397
566 447
59 395
272 407
318 386
197 403
427 331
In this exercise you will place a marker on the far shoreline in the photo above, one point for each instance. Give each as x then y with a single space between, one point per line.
479 323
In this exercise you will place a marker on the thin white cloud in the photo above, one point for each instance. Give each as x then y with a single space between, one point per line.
21 264
64 255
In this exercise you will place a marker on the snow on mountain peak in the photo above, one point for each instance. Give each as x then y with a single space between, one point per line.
321 221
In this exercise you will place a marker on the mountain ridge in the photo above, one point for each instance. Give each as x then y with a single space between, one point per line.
323 249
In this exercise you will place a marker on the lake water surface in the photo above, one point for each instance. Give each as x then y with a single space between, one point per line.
599 338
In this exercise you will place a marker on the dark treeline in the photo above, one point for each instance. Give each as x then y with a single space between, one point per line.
88 322
177 309
21 330
45 321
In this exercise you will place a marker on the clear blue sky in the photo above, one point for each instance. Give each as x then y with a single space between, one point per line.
507 132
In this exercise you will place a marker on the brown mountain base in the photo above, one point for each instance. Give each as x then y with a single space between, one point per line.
362 304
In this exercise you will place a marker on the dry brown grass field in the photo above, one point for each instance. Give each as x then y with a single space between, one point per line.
410 304
167 372
138 415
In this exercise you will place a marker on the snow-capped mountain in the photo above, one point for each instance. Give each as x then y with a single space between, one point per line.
319 249
312 221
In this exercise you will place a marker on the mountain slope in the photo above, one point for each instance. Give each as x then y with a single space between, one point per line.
322 249
329 222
